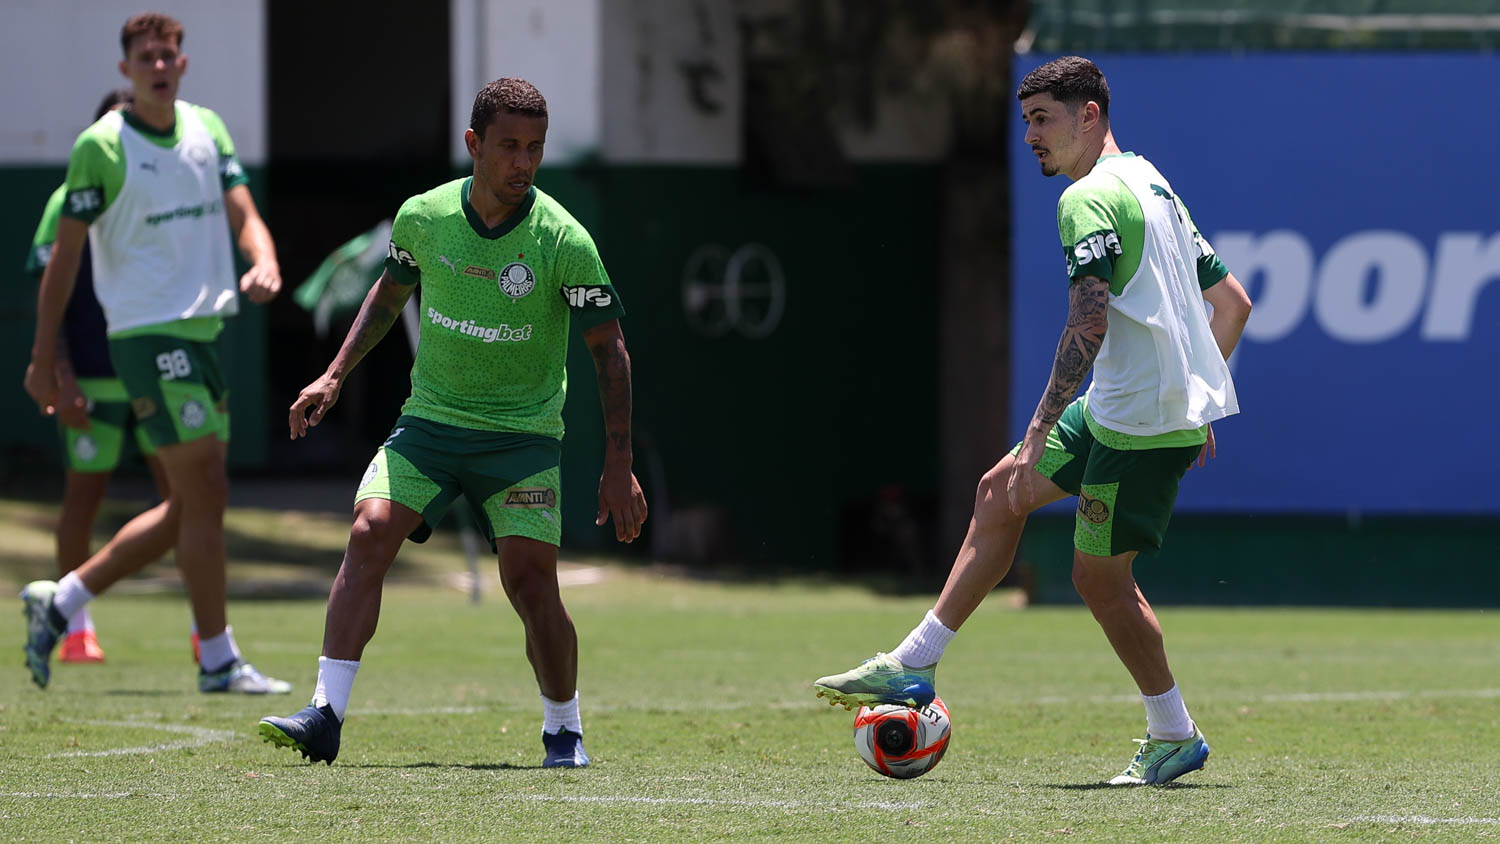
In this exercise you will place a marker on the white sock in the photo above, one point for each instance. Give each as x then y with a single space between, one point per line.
70 597
560 716
81 620
335 684
924 645
218 651
1167 716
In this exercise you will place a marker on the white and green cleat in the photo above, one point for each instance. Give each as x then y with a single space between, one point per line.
879 680
1158 761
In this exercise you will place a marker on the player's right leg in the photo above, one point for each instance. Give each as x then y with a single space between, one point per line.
906 675
389 507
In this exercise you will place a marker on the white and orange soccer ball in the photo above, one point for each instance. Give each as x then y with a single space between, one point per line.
902 742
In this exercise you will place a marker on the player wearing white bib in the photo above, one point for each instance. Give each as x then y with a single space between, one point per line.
157 189
1139 274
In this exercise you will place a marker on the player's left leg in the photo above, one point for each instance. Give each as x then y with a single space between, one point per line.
525 520
1124 506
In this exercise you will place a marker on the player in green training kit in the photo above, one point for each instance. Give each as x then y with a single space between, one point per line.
504 271
93 414
1139 273
156 190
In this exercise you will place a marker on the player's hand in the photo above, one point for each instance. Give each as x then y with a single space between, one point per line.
316 397
41 384
1018 488
261 282
72 405
621 499
1208 452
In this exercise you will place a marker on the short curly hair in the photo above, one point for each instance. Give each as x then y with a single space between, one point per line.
512 95
150 23
1071 80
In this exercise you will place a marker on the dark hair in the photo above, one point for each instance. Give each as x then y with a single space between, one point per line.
1071 80
112 99
512 95
150 23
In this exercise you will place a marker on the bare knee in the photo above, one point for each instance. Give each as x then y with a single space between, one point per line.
373 542
1102 581
991 501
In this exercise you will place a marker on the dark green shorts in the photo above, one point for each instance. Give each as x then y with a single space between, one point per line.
1125 496
511 481
175 387
99 448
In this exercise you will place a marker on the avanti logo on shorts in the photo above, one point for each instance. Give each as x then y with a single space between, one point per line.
1092 509
531 498
499 334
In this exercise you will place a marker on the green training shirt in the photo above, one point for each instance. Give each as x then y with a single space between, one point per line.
496 307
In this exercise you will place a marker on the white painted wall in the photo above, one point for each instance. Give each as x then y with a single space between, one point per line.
554 44
663 59
58 57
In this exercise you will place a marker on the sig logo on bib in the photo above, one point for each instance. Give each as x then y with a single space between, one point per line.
516 279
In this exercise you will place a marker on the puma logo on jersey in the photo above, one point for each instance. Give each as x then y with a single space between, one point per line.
149 165
443 259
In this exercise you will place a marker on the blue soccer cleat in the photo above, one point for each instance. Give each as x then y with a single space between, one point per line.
314 731
564 750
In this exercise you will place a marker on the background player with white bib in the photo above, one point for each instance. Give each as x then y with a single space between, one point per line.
505 270
1139 274
157 190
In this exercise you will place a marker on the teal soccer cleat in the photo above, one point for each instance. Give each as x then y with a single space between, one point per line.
1159 761
43 628
880 679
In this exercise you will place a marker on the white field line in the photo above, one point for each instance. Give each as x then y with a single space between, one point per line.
66 795
200 737
707 801
1425 820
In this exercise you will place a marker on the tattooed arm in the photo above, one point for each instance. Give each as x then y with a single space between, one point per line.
381 308
620 494
1088 319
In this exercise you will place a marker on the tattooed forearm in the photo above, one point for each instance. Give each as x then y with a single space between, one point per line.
612 365
1088 318
376 316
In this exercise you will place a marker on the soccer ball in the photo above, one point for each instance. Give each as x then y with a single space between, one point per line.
902 742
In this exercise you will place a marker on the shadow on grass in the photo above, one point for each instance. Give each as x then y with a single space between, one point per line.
146 693
455 766
1102 786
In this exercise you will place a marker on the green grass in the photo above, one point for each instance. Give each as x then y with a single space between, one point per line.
1325 725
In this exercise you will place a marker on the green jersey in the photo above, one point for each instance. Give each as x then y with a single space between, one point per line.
496 308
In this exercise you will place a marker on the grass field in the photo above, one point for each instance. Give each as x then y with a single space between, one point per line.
1326 725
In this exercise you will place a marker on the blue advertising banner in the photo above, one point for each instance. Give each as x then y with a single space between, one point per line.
1355 197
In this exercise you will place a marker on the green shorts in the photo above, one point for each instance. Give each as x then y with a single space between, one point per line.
99 448
1125 494
175 387
511 481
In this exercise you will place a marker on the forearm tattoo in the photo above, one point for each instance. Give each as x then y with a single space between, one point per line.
379 313
612 365
1088 318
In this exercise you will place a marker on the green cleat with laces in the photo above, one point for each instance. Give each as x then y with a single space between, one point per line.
878 680
1158 761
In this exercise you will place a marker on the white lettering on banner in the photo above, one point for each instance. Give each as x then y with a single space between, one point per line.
1371 286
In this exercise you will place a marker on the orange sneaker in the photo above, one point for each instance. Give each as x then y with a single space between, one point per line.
81 646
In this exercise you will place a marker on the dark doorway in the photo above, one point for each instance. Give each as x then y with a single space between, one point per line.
359 98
